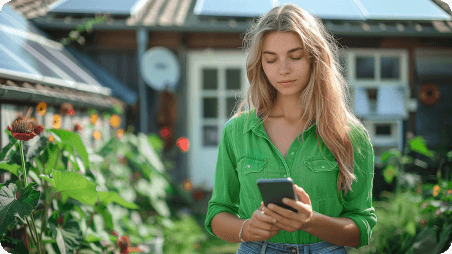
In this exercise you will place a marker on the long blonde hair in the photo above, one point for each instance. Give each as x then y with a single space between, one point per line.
324 99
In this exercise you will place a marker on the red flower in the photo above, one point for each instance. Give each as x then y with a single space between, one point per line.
123 243
22 136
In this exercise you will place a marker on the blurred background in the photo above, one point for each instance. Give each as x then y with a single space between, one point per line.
174 70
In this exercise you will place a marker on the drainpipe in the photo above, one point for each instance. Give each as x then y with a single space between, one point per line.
142 40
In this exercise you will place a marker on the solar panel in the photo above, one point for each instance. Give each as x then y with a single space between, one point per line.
117 7
32 57
403 10
328 9
8 17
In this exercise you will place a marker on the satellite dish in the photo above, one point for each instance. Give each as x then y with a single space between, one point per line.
160 69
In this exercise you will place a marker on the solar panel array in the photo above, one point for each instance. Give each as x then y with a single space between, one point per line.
329 9
27 54
115 7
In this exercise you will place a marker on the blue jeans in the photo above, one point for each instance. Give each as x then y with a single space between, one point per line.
261 247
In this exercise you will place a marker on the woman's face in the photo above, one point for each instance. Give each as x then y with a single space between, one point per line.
286 62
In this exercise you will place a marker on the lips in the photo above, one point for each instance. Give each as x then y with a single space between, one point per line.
286 82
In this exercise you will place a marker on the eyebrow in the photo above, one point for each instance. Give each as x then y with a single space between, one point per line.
290 51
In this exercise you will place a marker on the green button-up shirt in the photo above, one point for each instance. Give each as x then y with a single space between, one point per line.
247 154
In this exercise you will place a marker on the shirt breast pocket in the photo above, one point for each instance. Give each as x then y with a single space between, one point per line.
249 170
321 178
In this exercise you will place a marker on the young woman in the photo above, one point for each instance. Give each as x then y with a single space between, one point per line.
296 89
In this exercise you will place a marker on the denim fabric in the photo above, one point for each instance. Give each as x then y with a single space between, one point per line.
253 247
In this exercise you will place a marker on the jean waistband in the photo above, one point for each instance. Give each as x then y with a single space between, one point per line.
290 246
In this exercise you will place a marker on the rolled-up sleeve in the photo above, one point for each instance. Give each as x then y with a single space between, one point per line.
358 201
225 194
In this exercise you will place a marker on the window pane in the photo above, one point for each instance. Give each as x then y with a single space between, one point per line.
390 67
210 135
233 78
210 106
383 129
210 79
230 103
365 67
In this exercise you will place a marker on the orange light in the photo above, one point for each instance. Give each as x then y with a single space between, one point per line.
42 108
183 144
93 119
56 122
115 121
165 132
187 185
120 133
97 135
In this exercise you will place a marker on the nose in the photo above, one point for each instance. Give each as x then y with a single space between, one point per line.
285 67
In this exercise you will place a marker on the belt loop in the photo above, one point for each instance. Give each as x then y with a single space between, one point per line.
264 247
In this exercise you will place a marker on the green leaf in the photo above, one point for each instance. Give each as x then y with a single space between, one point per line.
411 228
390 154
73 185
418 144
106 215
11 207
11 168
68 238
51 156
74 140
148 151
11 147
389 173
20 249
108 197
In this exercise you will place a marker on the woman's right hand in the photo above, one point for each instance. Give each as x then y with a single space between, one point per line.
260 226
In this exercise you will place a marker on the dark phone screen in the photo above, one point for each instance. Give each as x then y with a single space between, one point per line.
274 190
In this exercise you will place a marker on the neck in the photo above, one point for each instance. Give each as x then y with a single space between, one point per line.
287 108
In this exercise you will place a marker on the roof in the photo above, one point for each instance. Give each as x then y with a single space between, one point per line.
33 62
35 92
179 16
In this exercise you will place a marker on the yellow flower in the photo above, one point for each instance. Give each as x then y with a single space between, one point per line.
93 118
436 190
449 192
115 121
56 122
42 108
97 135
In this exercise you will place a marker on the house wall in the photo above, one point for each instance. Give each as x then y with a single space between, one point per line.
116 51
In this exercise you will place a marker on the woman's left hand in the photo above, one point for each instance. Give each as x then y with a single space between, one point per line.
291 221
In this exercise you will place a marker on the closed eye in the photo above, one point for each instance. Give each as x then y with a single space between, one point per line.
290 58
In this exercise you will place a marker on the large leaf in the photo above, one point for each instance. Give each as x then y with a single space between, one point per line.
74 140
51 156
67 237
11 207
148 151
11 168
73 185
108 197
418 144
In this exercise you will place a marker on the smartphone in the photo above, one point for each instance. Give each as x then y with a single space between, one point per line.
274 190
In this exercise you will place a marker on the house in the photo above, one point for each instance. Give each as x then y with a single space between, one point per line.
397 56
61 84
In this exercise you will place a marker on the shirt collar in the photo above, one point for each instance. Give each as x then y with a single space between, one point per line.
255 121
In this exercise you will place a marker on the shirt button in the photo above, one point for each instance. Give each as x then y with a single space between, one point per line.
323 166
285 175
293 153
248 166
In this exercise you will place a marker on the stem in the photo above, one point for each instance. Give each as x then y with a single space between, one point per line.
23 162
46 207
31 232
